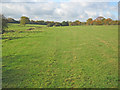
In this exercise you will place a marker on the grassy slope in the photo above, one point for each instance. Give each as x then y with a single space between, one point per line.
76 56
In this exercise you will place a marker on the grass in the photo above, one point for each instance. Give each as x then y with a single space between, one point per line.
60 57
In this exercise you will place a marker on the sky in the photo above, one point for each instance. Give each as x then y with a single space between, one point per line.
60 10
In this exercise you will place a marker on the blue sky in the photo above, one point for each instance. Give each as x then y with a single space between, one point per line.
59 10
114 4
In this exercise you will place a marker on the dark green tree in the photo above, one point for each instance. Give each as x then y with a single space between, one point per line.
65 23
3 22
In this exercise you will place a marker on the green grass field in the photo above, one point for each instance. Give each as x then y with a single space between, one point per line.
60 57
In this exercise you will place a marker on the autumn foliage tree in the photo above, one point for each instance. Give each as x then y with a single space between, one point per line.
108 21
75 23
98 21
89 21
102 21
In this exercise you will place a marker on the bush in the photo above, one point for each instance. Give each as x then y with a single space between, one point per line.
50 25
65 23
57 24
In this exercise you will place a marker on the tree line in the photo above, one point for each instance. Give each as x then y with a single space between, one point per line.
25 20
98 21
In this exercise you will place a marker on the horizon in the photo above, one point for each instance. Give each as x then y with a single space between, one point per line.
59 21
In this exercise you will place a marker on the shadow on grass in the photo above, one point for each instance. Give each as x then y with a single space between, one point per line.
7 31
31 31
11 38
6 38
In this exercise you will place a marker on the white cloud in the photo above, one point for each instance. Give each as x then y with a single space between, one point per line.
91 13
60 0
60 11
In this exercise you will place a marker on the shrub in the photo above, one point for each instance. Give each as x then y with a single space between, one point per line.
57 24
65 23
50 25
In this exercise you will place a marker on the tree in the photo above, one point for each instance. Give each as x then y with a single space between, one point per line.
77 22
99 22
32 22
50 24
24 20
3 22
99 18
65 23
41 22
89 21
103 20
83 23
11 20
108 21
57 24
